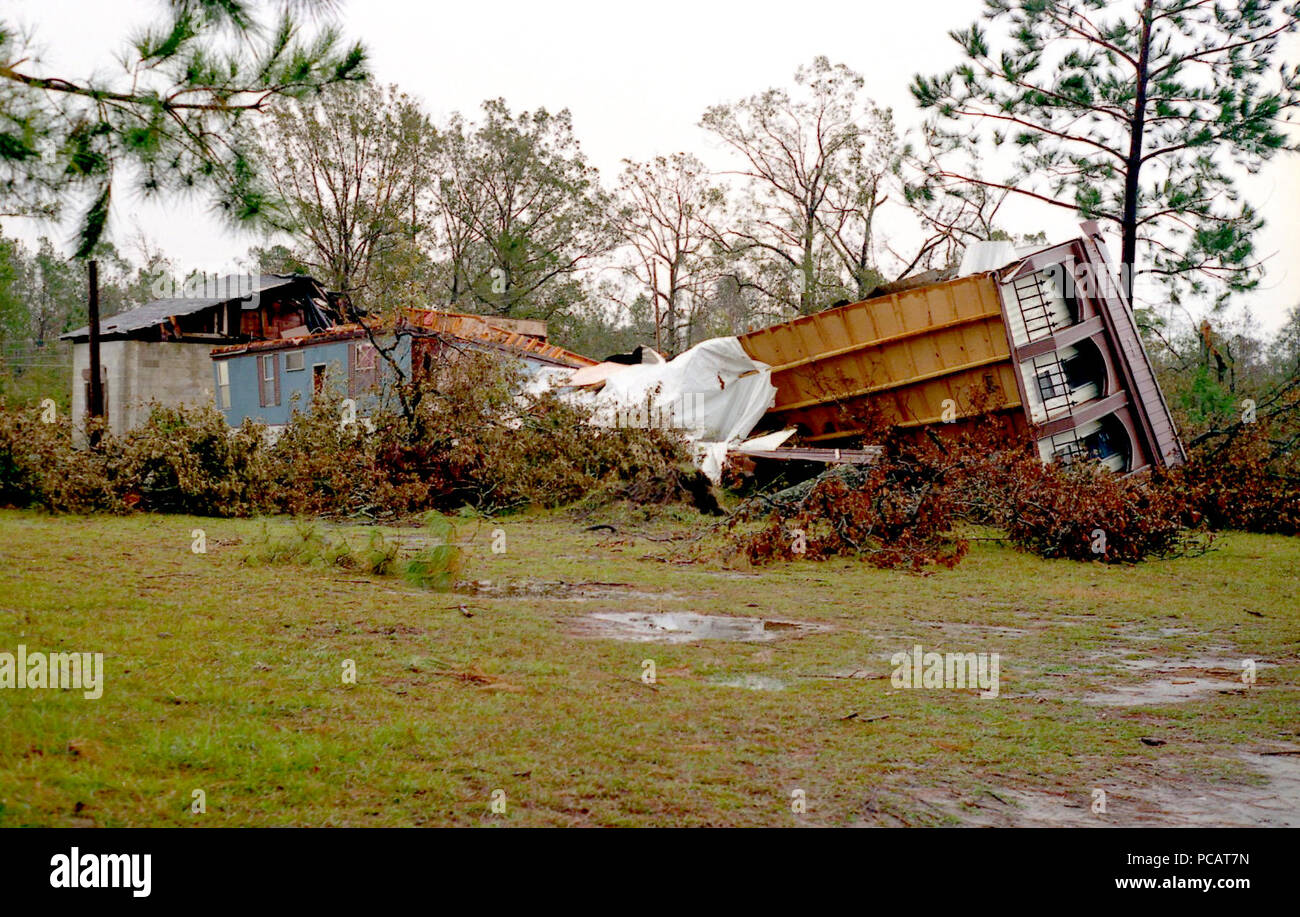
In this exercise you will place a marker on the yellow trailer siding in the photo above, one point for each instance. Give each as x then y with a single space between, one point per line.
915 355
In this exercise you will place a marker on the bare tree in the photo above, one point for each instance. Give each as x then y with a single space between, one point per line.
347 172
667 214
813 162
855 196
950 215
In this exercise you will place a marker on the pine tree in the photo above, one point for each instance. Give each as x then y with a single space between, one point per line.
1138 114
172 120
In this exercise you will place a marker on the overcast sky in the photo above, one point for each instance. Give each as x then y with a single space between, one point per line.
637 77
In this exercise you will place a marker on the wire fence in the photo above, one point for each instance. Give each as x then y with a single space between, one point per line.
16 355
31 372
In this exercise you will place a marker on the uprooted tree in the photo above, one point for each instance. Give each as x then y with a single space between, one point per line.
903 509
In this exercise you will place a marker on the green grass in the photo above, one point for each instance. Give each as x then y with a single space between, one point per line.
225 677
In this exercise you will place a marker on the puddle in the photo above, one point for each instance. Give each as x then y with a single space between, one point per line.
563 591
1138 803
752 682
688 627
1181 680
1154 693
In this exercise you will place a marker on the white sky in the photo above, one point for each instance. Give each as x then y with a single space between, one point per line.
637 77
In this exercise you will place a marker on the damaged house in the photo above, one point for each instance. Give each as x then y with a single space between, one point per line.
1045 337
267 380
1049 337
160 351
257 346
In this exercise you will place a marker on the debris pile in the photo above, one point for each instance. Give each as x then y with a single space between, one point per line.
1045 338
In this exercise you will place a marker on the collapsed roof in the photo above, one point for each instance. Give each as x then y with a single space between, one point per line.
513 336
230 288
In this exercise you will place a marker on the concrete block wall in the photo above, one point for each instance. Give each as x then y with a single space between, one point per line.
137 372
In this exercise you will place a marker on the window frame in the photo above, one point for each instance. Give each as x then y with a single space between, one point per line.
223 385
268 379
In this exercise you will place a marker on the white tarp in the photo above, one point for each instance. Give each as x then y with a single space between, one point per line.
714 393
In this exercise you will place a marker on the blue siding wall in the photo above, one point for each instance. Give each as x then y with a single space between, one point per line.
245 399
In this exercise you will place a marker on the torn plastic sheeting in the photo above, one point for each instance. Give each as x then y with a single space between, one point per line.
595 375
766 442
714 392
711 457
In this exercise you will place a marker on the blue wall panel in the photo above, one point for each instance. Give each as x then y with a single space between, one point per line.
295 386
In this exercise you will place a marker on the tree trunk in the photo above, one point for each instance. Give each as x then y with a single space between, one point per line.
1133 165
808 281
673 320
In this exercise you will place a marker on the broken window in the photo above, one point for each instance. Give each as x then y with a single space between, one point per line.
363 368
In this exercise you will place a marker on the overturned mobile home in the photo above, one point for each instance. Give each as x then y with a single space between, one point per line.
1045 337
1049 337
